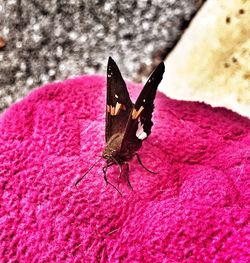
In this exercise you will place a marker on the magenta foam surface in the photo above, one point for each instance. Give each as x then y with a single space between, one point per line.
196 209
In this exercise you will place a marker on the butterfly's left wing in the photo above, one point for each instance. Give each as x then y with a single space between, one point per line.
140 121
119 105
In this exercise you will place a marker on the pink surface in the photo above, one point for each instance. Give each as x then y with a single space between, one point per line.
196 209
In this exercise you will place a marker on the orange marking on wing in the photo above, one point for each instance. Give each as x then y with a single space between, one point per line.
115 110
118 108
136 114
112 111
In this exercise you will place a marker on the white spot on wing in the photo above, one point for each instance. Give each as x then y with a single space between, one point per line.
142 136
116 96
140 133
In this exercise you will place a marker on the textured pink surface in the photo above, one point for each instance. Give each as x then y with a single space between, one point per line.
195 209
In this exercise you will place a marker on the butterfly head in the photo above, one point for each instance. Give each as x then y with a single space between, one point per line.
110 154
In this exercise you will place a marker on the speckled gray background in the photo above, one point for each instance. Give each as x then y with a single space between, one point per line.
48 40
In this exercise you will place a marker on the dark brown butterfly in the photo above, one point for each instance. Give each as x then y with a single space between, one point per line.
127 124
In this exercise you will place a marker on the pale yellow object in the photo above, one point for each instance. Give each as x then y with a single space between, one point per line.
211 63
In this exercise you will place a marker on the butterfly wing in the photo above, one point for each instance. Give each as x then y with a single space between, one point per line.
119 105
139 124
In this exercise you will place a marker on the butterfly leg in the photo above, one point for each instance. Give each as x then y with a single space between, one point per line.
104 169
127 175
140 162
120 169
120 166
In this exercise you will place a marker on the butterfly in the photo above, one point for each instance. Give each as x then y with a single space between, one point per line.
127 124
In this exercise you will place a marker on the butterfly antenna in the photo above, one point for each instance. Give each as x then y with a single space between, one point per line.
140 162
91 167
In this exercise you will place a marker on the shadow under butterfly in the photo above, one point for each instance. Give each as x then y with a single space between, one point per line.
127 124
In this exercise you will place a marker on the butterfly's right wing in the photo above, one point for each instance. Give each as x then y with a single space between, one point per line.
140 121
119 105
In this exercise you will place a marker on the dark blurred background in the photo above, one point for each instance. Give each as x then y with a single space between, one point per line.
44 41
